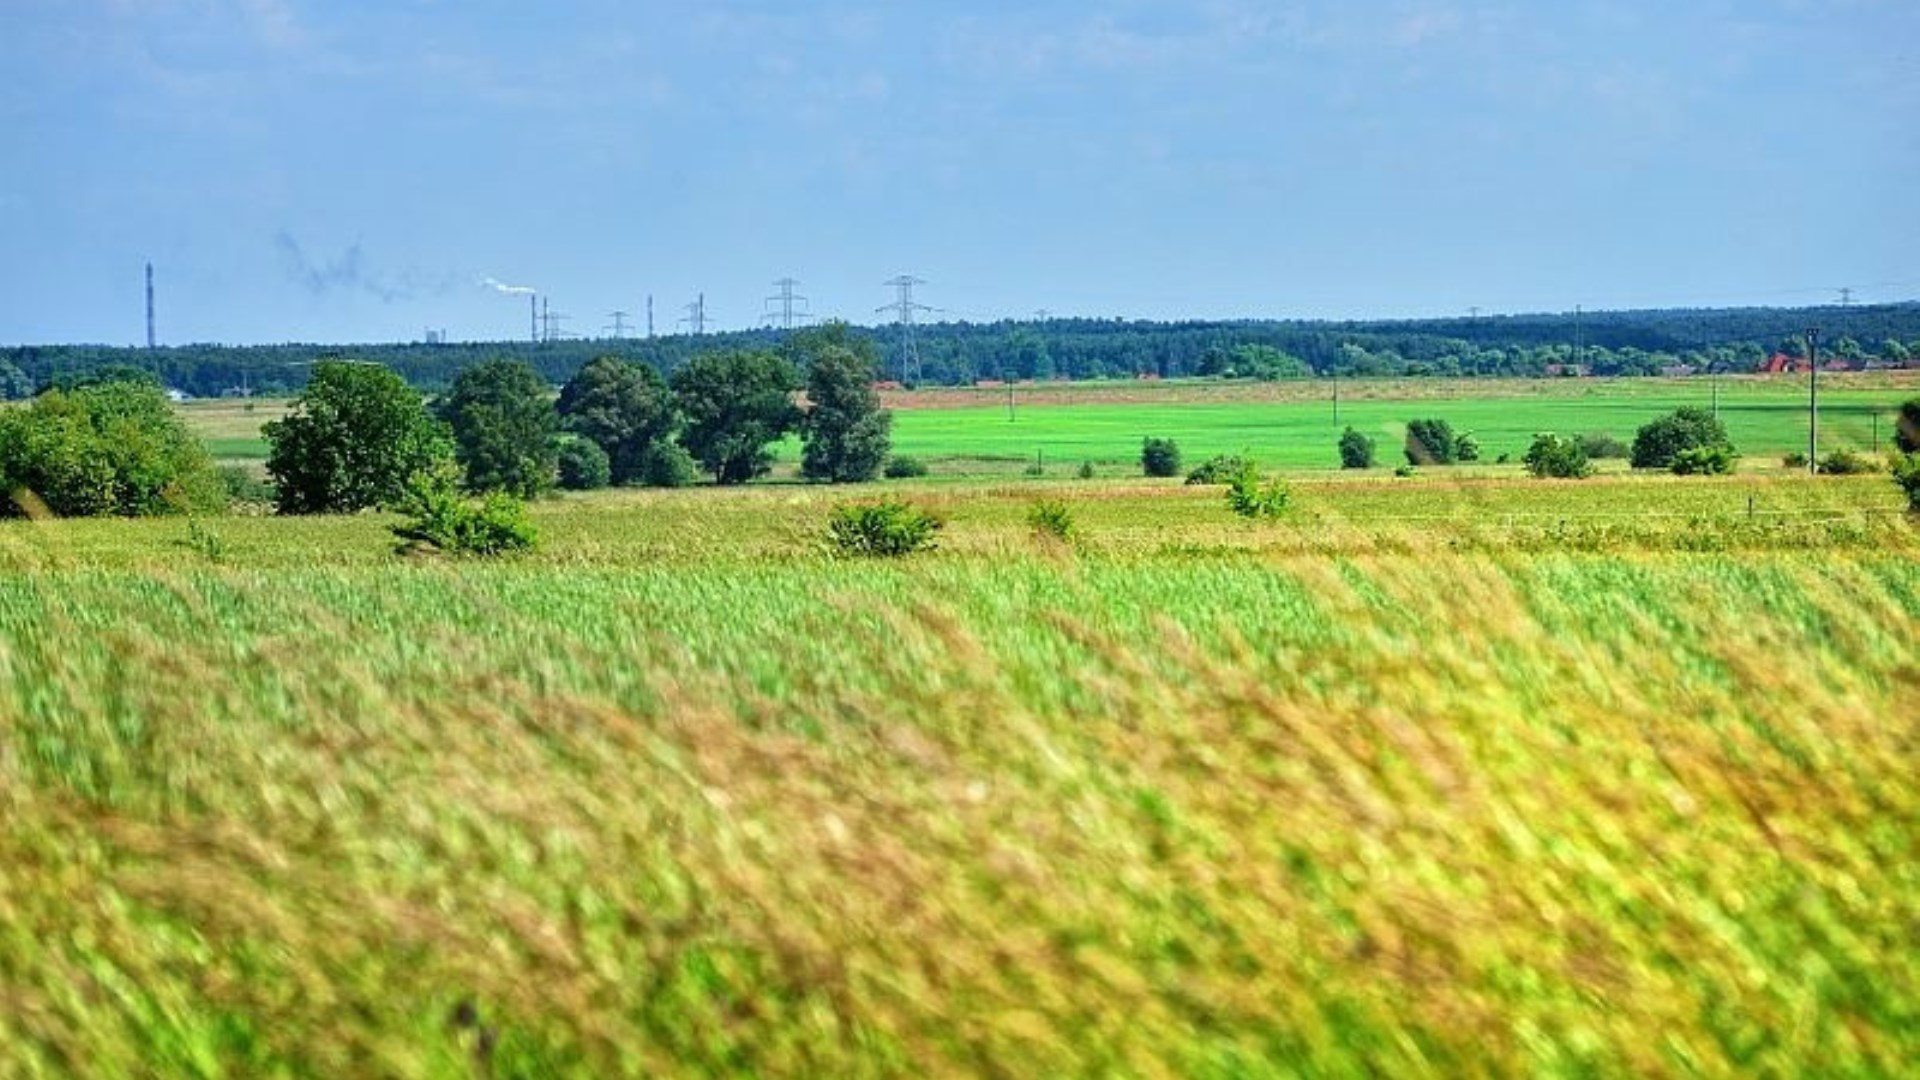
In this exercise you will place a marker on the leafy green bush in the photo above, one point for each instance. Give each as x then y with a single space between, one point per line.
1466 447
1086 470
1658 444
1160 457
1250 498
1844 462
1218 469
667 464
1431 442
1704 461
440 518
1906 474
584 466
1405 472
1601 446
1050 519
905 468
1558 457
1356 450
1795 460
103 448
885 529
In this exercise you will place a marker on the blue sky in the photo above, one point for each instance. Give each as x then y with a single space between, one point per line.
345 170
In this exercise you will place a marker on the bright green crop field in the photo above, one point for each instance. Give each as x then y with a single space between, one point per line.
1293 425
1431 777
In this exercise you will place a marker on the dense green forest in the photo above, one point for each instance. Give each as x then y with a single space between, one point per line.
1600 343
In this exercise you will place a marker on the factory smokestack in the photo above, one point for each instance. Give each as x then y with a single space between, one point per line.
533 318
149 305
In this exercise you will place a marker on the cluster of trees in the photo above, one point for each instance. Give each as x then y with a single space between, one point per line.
358 432
1605 343
1689 441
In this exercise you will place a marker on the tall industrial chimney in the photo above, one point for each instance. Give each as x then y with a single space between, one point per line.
533 318
149 305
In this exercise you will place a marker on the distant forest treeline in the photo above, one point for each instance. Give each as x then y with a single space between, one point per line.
1600 343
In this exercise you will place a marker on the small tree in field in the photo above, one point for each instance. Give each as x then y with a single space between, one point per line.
504 428
1356 450
736 406
356 434
1558 457
847 432
1160 457
1658 444
1431 442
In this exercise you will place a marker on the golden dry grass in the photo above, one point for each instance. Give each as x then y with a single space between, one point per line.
1158 808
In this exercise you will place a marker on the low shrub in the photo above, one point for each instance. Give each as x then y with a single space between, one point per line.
243 486
1218 469
584 466
1159 457
1601 446
1795 460
1250 498
1844 462
885 530
1906 475
668 465
1405 472
1050 519
1558 457
1704 461
1086 470
904 468
441 519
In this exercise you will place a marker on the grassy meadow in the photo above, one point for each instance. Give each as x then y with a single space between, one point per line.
1434 777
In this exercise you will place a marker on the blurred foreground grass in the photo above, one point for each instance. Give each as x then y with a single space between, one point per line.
681 797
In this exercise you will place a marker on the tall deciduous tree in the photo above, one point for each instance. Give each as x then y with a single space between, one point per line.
354 437
504 428
624 407
848 434
736 405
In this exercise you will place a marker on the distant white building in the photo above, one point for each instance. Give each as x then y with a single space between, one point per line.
177 395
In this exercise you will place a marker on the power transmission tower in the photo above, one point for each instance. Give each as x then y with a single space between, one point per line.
696 319
904 309
1846 296
1042 315
547 321
649 316
787 297
149 305
619 326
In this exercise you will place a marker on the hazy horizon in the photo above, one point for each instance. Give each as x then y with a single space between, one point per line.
356 172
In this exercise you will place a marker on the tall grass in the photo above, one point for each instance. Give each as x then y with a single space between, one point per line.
997 812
